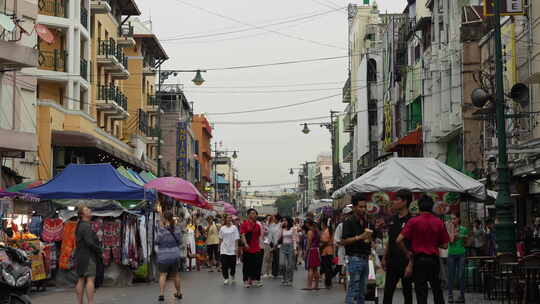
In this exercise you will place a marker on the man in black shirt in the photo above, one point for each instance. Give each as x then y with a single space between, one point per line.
394 261
357 240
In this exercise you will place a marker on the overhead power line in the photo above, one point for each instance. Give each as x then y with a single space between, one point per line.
267 122
259 27
251 28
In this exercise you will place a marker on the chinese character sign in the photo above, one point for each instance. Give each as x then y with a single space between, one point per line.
182 153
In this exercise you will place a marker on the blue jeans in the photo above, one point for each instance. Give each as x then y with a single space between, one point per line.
456 271
358 271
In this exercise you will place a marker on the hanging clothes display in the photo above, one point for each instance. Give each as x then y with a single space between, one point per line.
52 230
111 241
68 245
50 257
36 225
130 254
97 227
144 241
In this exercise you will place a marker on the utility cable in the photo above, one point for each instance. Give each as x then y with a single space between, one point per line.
258 27
252 27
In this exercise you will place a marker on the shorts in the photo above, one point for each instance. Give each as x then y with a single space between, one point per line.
90 270
168 268
213 252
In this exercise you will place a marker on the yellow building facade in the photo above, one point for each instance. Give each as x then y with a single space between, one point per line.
89 97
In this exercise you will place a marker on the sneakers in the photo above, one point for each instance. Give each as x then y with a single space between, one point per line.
257 284
247 284
226 282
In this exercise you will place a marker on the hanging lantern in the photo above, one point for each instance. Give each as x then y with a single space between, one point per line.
198 80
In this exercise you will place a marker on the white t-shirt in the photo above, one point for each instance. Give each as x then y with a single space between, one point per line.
229 236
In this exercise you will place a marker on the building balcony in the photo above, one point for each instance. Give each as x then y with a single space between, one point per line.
152 103
125 36
54 8
112 101
348 151
112 58
55 60
149 66
347 91
84 17
100 6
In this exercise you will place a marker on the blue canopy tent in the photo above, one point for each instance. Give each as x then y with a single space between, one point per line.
92 181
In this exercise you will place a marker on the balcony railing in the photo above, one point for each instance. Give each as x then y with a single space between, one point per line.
84 68
109 48
348 149
84 17
55 8
53 60
112 93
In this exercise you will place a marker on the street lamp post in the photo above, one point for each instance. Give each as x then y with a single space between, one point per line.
331 127
217 153
162 76
504 227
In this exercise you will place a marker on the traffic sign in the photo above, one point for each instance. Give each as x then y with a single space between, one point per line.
508 7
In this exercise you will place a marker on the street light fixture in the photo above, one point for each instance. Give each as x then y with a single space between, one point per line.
198 80
306 129
235 156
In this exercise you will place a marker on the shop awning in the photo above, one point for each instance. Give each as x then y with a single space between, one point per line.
80 139
94 181
413 138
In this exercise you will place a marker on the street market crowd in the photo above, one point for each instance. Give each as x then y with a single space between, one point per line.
348 247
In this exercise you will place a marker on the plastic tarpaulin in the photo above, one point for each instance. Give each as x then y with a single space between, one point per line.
93 181
415 175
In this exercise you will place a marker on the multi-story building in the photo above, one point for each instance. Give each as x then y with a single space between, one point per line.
18 148
145 54
203 134
226 179
84 77
179 147
323 175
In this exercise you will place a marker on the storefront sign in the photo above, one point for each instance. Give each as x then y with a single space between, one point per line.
508 7
182 153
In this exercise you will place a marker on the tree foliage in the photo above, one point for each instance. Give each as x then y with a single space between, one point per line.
285 204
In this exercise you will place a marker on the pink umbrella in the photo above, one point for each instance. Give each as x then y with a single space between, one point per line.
178 189
227 207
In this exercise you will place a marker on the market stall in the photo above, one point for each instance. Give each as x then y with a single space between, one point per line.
124 234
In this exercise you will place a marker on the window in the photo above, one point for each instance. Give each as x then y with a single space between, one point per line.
414 114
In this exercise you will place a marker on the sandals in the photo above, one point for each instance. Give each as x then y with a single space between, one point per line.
161 298
178 296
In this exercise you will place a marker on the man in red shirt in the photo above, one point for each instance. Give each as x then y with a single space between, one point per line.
250 232
426 233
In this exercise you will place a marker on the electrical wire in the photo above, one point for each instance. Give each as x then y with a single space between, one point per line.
254 28
258 27
267 122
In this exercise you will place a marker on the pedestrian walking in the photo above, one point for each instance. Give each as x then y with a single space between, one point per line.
250 232
300 236
288 242
274 231
338 243
200 246
313 258
212 244
87 256
456 259
327 253
229 236
357 237
267 250
168 244
393 261
426 234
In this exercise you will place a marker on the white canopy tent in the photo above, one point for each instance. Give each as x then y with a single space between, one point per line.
415 175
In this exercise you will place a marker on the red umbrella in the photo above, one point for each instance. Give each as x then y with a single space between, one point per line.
179 189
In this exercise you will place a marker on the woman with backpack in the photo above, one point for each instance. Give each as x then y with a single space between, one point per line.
168 243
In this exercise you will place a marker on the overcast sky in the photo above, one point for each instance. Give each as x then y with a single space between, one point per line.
266 152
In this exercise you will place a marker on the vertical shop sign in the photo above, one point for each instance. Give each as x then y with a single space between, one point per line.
182 154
